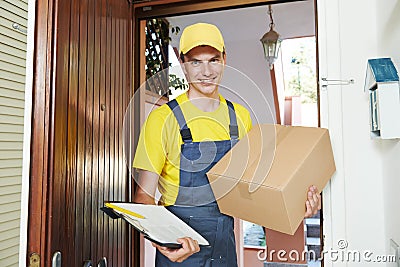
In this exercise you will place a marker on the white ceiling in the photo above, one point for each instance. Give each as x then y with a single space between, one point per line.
295 19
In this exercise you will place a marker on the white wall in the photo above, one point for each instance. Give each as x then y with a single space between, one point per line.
247 80
388 23
361 198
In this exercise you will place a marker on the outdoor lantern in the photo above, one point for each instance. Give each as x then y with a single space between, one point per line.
271 42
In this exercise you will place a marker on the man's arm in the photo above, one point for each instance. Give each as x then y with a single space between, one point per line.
147 185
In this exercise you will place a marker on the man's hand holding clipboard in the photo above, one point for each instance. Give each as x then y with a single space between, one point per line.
157 224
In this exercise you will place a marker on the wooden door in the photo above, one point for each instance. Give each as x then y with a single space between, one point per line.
79 163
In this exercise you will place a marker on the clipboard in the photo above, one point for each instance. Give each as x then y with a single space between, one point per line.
156 223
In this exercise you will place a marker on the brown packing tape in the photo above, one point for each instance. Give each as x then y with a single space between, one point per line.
244 190
267 158
261 166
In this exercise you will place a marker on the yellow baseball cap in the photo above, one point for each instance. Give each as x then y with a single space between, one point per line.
201 34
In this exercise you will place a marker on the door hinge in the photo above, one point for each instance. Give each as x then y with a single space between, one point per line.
34 260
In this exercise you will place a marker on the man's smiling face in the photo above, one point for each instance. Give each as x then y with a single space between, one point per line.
203 67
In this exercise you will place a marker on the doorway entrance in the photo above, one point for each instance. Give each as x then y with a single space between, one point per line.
242 27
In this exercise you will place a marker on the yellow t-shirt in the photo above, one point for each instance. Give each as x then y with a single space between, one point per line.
160 141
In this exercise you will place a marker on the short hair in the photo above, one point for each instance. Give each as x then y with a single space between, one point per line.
182 56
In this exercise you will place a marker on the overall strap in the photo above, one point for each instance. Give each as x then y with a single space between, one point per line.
233 127
184 130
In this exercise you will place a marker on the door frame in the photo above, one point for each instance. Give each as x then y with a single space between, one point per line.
26 161
42 130
44 63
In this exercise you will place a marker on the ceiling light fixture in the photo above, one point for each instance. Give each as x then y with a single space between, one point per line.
271 42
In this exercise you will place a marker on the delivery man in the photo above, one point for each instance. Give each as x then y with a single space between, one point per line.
181 140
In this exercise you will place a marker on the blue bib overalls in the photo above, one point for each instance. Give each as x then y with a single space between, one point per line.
195 203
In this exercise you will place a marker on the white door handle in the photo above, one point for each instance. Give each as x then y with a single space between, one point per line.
325 82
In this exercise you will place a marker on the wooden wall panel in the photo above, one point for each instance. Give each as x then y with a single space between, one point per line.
87 73
107 124
92 118
102 160
41 130
81 251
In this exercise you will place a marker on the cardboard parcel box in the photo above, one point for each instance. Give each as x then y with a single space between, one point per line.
265 177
